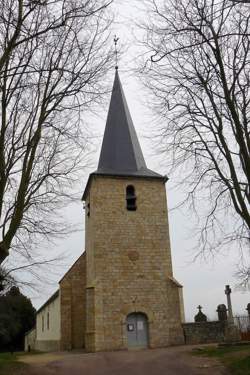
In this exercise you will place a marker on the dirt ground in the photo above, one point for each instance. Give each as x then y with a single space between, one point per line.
166 361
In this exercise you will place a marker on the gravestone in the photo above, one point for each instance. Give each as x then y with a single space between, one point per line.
228 292
222 312
232 333
248 309
200 317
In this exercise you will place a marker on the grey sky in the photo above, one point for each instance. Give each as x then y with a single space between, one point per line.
203 282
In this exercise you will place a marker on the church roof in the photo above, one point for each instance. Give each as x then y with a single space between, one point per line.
83 255
121 153
51 299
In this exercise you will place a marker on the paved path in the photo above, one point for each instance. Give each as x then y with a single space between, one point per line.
167 361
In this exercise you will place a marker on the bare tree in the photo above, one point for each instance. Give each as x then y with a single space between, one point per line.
197 69
53 58
28 274
6 280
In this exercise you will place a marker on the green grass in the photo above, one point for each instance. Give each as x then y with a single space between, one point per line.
9 364
240 366
235 358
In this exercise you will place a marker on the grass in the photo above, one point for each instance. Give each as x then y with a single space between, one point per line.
9 364
235 358
241 366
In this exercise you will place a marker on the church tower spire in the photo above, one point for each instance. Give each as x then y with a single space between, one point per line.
132 298
121 153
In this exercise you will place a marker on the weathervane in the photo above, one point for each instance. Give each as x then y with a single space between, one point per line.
116 52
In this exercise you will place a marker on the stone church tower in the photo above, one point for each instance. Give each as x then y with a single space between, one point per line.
132 299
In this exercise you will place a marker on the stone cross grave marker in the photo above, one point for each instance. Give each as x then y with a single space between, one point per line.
228 292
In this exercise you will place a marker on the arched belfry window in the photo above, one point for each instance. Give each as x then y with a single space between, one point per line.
131 198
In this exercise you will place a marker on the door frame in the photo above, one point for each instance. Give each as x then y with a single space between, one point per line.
146 320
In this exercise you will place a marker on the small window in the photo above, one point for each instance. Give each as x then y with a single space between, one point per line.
48 320
42 323
131 198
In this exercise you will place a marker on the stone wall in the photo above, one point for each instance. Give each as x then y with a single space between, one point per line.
31 343
129 265
29 340
73 306
204 332
47 345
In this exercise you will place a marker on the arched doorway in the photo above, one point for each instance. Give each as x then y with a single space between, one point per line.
137 330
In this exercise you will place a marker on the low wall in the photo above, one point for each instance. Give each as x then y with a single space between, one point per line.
204 332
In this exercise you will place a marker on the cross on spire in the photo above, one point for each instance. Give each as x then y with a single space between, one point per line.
116 52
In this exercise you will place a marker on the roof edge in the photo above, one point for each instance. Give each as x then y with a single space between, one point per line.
176 283
49 300
82 255
120 175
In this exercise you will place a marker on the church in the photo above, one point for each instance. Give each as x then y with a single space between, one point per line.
121 292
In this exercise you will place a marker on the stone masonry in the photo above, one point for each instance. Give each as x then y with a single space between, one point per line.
73 305
128 263
204 332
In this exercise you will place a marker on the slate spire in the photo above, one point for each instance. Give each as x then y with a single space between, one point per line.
121 153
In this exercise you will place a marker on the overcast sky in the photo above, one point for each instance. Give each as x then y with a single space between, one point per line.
203 283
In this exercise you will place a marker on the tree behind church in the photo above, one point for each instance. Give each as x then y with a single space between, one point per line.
17 316
53 59
198 73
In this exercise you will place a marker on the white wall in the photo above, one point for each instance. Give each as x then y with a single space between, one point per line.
53 332
29 340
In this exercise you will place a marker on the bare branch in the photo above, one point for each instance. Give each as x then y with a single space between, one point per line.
53 59
197 70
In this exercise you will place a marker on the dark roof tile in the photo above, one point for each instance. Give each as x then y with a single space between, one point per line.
121 153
